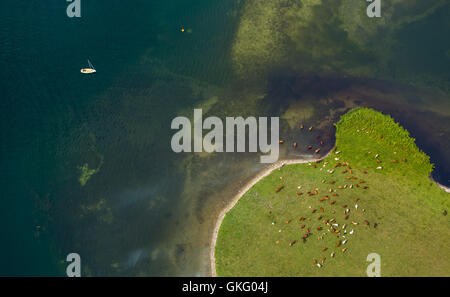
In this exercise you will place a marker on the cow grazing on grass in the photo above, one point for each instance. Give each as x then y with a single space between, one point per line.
279 189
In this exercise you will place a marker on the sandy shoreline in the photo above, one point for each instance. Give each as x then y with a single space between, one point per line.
268 170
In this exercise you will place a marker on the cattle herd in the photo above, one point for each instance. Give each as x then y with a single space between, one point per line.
334 220
337 221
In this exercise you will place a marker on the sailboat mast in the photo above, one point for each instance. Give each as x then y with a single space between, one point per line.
90 64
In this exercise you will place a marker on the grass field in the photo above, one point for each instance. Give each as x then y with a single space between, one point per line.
399 212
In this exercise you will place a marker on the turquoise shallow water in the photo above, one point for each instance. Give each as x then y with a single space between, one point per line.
149 211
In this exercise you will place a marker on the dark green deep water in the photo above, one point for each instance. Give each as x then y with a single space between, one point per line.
53 119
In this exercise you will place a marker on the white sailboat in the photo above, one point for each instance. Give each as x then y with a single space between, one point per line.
89 70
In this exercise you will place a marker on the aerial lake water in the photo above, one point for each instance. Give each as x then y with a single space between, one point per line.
142 209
